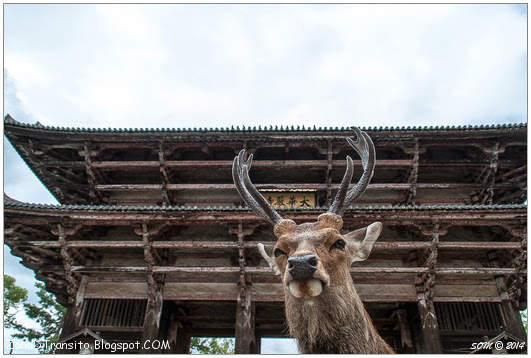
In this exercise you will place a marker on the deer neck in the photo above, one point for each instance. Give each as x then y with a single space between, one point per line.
334 322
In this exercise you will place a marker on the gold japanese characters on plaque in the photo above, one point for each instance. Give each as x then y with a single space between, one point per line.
283 199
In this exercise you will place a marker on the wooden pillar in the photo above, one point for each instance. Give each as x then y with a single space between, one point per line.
430 328
177 337
245 309
173 329
75 287
431 340
510 288
182 345
257 344
155 286
151 326
72 318
245 321
69 324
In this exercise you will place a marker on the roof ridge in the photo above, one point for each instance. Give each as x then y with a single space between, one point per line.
8 120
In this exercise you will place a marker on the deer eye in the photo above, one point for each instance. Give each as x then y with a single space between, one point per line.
278 252
339 244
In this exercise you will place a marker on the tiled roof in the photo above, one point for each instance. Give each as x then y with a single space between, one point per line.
124 208
8 120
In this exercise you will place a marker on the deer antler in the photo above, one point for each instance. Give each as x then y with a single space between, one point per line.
364 146
248 192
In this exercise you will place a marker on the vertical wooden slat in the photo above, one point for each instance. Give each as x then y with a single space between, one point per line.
485 315
104 312
444 316
497 314
440 316
451 308
125 319
89 315
460 314
131 320
467 315
83 313
112 314
122 312
140 313
490 317
97 312
118 313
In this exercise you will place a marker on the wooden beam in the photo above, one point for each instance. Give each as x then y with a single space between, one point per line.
192 164
476 271
314 186
199 245
391 291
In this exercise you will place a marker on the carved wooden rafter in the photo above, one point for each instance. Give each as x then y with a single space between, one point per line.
34 162
328 178
72 278
517 282
163 175
412 176
487 177
95 195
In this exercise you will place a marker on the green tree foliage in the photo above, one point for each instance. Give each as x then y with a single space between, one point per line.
47 314
14 298
202 345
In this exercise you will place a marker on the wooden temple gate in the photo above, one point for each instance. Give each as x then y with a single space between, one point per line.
150 242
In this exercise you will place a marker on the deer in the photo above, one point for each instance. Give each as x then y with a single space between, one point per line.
324 312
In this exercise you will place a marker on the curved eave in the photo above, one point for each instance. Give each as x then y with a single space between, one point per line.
11 124
11 204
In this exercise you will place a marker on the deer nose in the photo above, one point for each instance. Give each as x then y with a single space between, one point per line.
302 267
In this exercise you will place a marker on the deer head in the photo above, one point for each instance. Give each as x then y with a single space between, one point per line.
313 256
323 309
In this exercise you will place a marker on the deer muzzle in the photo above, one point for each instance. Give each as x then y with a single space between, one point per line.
302 268
304 279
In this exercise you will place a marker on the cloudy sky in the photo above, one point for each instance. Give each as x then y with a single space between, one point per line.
223 65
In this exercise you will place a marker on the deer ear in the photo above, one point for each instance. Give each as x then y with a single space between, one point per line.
360 242
270 261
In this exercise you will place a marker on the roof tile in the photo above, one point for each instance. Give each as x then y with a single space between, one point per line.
8 120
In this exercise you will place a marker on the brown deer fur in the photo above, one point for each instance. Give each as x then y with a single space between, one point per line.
335 321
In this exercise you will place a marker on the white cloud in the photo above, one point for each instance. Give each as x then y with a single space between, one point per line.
185 65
